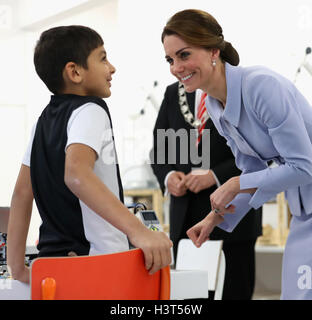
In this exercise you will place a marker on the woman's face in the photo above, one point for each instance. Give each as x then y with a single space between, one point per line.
190 65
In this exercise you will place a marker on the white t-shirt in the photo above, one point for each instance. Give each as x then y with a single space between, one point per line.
90 125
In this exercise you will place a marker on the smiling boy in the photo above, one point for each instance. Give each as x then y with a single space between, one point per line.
70 167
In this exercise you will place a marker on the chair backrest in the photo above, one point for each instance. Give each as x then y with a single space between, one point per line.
208 257
118 276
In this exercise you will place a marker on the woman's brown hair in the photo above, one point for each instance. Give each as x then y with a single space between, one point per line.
199 28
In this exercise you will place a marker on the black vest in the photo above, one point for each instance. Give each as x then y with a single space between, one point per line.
62 229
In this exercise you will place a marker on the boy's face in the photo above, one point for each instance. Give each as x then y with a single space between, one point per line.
97 78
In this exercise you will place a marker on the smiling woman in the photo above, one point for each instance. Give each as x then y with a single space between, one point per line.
263 117
197 51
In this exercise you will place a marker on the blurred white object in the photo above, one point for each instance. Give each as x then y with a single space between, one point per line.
209 257
305 64
139 177
188 284
14 290
308 67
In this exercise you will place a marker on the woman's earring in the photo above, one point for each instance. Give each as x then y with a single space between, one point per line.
214 63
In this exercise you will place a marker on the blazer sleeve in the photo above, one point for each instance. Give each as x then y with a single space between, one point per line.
277 108
159 158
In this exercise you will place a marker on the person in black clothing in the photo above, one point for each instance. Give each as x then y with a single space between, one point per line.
189 193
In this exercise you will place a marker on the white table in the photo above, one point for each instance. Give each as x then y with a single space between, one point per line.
14 290
190 284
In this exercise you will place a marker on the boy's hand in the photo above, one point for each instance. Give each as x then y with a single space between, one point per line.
155 246
202 230
23 275
19 220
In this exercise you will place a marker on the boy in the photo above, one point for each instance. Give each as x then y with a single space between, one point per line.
70 167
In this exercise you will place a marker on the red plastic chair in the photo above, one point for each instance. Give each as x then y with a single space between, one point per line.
118 276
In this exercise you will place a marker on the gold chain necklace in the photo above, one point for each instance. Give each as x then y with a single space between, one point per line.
185 109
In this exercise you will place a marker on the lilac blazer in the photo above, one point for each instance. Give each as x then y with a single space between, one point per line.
266 118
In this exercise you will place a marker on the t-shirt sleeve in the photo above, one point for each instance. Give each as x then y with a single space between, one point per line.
27 155
89 125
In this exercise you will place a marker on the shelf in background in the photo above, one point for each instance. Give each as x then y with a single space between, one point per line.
269 249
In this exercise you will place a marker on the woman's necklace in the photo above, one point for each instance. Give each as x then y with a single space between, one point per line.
185 109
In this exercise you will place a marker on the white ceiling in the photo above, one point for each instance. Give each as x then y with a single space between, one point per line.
34 14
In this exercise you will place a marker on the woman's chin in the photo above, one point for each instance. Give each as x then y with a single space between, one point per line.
189 88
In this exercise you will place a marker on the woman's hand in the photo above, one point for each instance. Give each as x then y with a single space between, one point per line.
224 195
201 231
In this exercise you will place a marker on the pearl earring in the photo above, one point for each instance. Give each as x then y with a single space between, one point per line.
214 63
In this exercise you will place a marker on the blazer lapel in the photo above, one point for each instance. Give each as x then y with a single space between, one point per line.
231 116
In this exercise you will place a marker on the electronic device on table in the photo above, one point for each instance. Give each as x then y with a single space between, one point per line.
150 220
147 217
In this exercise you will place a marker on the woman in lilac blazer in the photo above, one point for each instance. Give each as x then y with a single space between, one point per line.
263 117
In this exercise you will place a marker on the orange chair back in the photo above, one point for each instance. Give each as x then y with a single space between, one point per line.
118 276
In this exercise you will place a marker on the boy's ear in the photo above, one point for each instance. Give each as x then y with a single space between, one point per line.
73 72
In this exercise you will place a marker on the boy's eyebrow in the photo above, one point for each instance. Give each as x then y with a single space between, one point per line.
103 52
166 57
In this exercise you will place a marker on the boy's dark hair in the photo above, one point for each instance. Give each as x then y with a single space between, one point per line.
58 46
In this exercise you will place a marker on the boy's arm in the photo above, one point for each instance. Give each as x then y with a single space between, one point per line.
82 181
19 220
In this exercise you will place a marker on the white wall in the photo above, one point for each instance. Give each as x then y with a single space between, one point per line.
13 113
33 13
23 91
272 33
